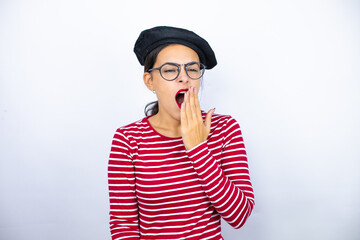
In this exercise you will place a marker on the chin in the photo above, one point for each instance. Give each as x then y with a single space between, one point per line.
177 116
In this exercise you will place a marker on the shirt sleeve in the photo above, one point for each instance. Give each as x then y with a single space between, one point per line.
124 223
227 184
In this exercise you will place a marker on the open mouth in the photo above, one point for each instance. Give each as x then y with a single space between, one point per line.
179 97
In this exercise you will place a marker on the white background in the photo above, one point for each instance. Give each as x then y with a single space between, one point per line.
288 71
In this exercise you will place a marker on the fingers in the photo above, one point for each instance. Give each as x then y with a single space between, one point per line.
183 118
194 104
188 107
197 104
208 119
194 129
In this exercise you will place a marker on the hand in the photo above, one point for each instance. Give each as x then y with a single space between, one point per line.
193 129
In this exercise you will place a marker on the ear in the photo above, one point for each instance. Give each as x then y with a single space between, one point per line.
148 81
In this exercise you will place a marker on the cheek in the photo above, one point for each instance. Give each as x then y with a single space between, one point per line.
164 92
197 84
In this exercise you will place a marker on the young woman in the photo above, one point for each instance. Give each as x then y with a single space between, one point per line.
176 172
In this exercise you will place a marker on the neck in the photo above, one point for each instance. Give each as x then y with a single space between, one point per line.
165 124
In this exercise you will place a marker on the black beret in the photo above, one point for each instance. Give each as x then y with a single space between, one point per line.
152 38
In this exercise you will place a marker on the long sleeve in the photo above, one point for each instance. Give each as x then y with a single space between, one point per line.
226 182
124 223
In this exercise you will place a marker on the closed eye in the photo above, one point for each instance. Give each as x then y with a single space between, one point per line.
169 70
193 70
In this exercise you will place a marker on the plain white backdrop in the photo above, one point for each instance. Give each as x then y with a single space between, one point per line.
288 71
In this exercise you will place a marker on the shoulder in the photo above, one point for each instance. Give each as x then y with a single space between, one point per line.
137 124
133 128
220 120
224 126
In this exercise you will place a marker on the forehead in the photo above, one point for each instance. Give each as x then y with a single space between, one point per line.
178 54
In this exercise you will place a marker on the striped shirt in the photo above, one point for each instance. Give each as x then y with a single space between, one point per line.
160 190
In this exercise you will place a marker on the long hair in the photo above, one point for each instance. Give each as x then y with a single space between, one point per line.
152 108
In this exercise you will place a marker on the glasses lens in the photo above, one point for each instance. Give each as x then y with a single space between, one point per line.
195 70
169 71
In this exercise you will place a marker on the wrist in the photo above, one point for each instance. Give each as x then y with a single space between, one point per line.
193 147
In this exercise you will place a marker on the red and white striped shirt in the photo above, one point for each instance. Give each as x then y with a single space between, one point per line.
159 190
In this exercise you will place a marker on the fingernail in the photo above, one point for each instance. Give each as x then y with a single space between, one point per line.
214 109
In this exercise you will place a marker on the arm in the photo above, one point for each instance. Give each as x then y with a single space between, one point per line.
228 187
124 223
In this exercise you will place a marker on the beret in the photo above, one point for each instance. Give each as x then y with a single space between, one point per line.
152 38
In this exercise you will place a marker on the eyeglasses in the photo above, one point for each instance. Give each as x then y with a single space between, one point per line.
170 71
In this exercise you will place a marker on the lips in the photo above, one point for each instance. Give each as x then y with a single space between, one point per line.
179 97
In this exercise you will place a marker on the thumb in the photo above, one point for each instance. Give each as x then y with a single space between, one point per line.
208 118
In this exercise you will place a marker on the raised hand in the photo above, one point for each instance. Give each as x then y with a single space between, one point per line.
193 129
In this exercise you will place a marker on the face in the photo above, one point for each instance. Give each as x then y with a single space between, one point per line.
166 91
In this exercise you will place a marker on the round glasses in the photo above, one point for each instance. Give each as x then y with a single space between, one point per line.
170 71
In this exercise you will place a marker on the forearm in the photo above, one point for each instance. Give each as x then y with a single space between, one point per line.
233 203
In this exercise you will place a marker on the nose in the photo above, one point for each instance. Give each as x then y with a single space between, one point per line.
183 77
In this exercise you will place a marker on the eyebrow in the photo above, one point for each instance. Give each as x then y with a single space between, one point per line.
180 63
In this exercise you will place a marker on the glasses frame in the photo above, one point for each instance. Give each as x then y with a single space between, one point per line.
202 68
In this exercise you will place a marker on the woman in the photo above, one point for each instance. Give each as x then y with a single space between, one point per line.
176 172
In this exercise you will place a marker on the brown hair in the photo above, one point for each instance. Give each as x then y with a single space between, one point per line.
152 108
